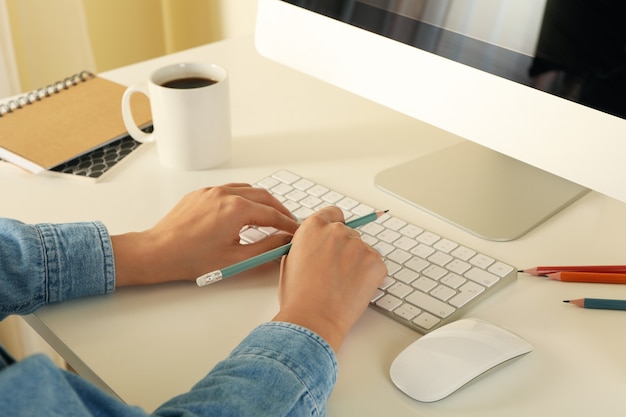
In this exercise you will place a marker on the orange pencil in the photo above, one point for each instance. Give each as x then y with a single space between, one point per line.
599 278
544 270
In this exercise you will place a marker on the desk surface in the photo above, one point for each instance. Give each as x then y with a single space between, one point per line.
148 344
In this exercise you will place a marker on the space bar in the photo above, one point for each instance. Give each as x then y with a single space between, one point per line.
430 304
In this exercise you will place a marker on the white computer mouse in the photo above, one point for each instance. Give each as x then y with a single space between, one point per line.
442 361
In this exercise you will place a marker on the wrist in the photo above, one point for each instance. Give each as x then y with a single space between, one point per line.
326 329
136 261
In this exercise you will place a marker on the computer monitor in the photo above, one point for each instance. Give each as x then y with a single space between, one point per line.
478 69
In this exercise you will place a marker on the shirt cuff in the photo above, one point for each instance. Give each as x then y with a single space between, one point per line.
303 351
278 369
78 259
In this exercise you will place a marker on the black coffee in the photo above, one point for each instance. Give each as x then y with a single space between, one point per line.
189 82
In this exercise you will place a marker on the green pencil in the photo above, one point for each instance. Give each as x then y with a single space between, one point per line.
220 274
599 303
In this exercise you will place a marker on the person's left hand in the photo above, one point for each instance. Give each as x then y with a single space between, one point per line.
201 234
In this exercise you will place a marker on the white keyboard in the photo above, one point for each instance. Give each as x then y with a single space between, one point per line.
430 280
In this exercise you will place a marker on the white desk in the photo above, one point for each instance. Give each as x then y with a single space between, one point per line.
148 344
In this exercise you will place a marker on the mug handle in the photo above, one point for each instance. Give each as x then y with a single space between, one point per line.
127 114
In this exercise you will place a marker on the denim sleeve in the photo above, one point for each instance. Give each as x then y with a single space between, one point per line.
280 369
44 263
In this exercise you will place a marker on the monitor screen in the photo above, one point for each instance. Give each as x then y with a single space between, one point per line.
573 49
477 70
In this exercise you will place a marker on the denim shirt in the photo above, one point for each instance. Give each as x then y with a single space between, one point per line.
279 369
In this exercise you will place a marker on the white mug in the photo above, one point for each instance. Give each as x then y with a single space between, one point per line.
190 115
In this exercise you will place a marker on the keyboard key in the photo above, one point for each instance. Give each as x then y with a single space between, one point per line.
394 224
399 256
296 195
392 267
388 235
482 277
400 290
286 177
411 230
281 189
347 203
332 197
445 245
267 183
405 243
388 302
317 190
440 258
406 275
383 248
431 304
453 280
387 282
372 228
442 292
463 253
458 266
363 209
311 201
416 264
424 284
481 261
428 238
378 294
302 213
407 311
370 240
466 293
426 321
435 272
292 206
423 251
252 235
303 184
500 269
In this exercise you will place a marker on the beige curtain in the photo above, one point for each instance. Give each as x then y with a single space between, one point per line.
9 83
54 39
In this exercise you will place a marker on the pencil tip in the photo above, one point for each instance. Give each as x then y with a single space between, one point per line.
566 301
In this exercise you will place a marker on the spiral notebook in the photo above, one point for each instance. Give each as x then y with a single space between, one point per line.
71 127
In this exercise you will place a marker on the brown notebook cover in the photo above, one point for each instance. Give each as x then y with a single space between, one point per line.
80 117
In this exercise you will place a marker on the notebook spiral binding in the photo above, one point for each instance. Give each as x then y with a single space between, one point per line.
44 92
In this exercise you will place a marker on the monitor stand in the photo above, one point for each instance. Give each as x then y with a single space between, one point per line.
481 191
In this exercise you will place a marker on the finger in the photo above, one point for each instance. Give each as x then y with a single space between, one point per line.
260 214
260 195
331 214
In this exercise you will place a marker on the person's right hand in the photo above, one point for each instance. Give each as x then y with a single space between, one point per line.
328 277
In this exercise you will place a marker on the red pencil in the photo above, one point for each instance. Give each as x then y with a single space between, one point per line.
601 269
599 278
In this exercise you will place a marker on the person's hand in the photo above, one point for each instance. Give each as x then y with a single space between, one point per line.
328 277
201 234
